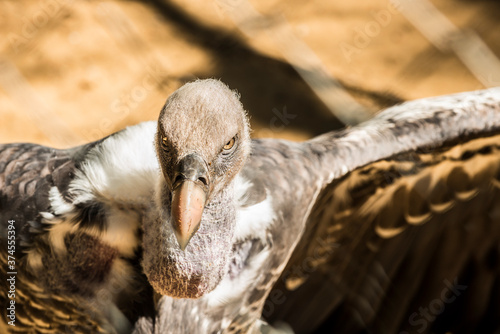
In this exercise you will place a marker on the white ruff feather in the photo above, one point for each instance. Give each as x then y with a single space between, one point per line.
60 227
122 172
230 291
58 205
252 221
122 169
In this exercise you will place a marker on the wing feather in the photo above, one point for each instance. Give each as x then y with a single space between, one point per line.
62 277
399 236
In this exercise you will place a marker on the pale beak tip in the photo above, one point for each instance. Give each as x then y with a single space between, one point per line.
183 242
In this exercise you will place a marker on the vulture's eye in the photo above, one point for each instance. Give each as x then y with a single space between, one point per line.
164 143
229 145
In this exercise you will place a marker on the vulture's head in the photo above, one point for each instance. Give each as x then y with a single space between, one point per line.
202 142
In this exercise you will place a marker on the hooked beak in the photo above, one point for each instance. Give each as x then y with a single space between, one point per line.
189 195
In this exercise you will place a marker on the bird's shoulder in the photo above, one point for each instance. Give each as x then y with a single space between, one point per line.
27 173
85 186
278 167
78 213
275 182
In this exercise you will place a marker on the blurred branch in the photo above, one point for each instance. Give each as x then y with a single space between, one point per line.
444 35
301 57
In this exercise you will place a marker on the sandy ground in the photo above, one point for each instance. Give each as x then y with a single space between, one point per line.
73 71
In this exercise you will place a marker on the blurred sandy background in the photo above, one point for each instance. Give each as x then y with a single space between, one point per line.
73 71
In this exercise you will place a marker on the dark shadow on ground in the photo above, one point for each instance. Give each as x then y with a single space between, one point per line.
267 85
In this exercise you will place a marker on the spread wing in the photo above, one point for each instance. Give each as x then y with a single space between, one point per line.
408 243
27 173
75 255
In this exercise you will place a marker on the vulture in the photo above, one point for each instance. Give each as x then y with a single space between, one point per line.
187 225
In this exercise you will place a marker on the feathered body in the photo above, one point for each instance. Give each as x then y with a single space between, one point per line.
91 232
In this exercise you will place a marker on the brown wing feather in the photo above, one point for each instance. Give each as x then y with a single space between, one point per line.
27 172
37 310
388 246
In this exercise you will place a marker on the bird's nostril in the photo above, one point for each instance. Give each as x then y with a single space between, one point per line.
203 180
